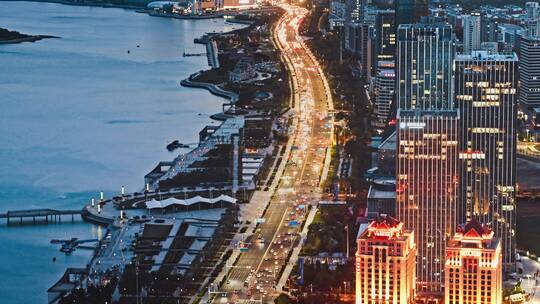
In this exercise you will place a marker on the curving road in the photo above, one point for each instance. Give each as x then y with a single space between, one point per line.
305 164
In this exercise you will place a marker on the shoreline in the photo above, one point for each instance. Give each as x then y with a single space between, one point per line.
90 4
27 39
212 88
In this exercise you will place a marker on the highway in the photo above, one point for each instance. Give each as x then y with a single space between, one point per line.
306 160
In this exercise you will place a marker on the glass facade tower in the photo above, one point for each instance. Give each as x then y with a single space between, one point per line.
485 93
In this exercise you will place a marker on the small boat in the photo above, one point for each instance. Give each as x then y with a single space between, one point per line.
54 259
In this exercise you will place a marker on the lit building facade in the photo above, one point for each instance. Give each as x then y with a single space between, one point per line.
384 84
385 31
426 187
424 65
529 70
485 93
473 266
385 263
427 131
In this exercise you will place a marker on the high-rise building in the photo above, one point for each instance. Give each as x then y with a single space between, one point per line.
485 93
424 66
426 187
471 32
410 11
529 71
426 168
385 32
355 11
385 263
358 41
532 10
488 28
384 84
473 266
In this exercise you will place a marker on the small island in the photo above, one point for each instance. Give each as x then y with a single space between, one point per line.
7 36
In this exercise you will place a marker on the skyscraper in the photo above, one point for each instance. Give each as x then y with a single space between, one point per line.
384 91
485 91
473 266
529 70
424 66
426 168
385 34
471 32
532 10
358 41
426 187
385 264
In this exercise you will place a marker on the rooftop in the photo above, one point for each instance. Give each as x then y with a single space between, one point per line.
374 193
485 55
383 227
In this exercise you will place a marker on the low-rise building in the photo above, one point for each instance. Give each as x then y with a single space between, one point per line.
473 268
385 263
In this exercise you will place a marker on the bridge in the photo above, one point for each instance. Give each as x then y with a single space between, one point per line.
46 214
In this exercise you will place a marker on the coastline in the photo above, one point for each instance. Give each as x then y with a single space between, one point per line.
34 38
212 88
34 240
90 3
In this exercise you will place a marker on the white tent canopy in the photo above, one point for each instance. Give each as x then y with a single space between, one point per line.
155 204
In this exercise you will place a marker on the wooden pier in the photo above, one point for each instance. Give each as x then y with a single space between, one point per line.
45 214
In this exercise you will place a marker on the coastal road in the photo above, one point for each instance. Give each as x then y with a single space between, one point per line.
306 161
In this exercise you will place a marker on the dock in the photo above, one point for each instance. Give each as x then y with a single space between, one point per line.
52 215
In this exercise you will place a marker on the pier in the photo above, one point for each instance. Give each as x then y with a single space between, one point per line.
46 214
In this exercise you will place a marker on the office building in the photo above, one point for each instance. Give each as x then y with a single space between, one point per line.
385 32
383 92
385 263
471 33
424 66
488 28
473 266
532 10
529 71
485 93
426 170
426 187
509 34
355 11
358 41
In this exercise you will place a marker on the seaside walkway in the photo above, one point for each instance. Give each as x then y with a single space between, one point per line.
52 215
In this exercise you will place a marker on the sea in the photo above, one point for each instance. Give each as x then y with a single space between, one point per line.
89 111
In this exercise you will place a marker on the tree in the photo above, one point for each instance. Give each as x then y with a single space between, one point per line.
283 299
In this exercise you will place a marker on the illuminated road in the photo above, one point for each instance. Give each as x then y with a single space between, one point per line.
306 161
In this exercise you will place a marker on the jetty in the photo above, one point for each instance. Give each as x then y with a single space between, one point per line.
52 215
68 246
